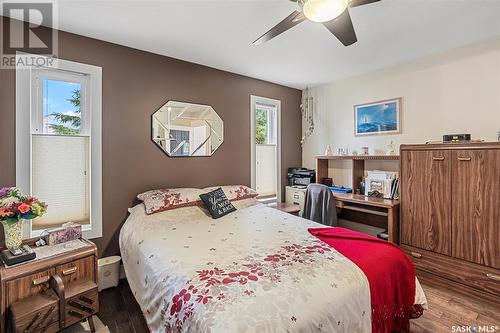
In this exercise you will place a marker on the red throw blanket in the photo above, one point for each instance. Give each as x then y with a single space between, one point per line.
390 273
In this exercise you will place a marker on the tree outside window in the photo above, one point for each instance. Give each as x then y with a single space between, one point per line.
261 126
69 124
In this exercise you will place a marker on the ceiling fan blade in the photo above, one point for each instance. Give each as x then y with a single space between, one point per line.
289 22
356 3
342 28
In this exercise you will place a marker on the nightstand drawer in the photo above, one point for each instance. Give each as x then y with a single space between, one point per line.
81 306
81 269
27 286
38 313
50 325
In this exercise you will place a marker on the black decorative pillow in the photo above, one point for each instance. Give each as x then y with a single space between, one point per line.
217 203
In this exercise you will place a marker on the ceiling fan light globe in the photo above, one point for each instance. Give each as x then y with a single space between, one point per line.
323 10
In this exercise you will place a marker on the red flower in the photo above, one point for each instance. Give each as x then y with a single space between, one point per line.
228 280
5 212
24 208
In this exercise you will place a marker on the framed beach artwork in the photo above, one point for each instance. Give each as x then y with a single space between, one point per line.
383 117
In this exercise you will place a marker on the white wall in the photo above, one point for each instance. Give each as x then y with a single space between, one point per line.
453 92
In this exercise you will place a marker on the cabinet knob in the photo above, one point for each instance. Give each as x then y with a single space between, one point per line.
464 159
438 158
416 254
493 277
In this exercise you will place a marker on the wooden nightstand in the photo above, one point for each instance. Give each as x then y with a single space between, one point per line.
49 294
287 208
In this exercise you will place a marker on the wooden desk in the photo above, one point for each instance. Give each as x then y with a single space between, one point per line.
287 208
357 165
359 203
374 206
385 213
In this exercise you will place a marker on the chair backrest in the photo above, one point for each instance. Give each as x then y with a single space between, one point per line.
319 205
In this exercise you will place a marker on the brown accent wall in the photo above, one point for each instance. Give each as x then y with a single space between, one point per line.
137 83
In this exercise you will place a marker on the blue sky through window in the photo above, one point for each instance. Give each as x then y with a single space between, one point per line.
55 100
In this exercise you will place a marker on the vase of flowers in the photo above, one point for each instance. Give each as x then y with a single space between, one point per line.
14 209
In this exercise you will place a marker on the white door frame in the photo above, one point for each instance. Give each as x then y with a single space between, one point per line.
275 103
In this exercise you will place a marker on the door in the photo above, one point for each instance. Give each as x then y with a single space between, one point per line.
476 207
426 200
265 150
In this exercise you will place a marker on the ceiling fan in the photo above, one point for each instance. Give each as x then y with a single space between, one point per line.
334 14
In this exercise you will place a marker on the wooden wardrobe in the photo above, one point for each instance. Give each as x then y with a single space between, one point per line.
450 215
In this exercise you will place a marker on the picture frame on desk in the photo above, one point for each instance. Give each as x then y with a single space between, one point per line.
377 118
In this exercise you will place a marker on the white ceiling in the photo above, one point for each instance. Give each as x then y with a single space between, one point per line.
220 33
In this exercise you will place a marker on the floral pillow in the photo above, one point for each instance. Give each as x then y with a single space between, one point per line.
165 199
235 192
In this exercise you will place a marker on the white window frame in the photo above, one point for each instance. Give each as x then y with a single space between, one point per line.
27 102
58 75
254 100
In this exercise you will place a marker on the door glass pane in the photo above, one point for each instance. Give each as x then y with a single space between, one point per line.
265 129
261 126
179 142
271 126
266 150
61 107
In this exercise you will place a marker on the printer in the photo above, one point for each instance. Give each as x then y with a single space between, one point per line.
301 177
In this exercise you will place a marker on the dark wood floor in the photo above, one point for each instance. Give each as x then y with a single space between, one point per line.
120 312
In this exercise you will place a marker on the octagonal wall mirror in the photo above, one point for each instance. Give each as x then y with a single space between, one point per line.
184 129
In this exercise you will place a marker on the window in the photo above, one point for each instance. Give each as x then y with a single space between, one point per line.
265 124
61 145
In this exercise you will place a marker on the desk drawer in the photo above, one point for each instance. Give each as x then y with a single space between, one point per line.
81 269
458 270
295 196
27 286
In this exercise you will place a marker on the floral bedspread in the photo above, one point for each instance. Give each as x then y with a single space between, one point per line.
254 270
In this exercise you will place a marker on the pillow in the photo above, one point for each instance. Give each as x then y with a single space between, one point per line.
217 203
165 199
235 192
245 203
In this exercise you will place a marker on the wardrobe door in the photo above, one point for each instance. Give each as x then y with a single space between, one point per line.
426 200
476 206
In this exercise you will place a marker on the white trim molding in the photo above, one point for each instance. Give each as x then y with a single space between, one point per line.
26 104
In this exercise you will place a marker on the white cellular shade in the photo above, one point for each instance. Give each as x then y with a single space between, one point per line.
60 177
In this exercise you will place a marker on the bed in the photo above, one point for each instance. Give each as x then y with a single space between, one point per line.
254 270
